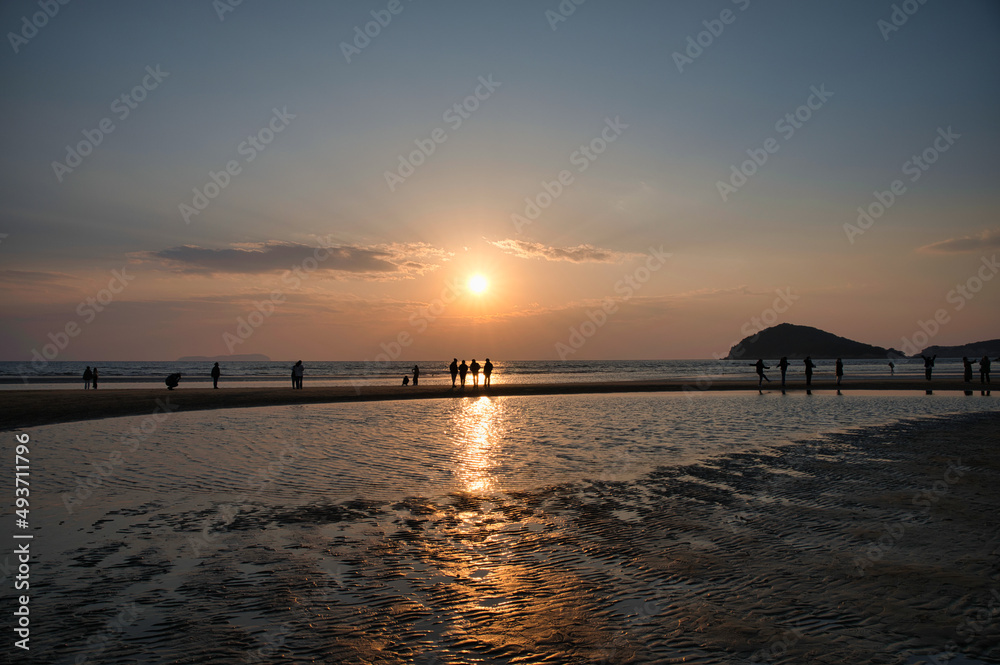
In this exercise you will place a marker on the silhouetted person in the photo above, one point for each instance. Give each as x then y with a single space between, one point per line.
761 378
172 380
216 373
839 370
928 365
809 370
984 370
463 369
298 371
487 370
416 375
96 377
406 379
967 370
88 376
783 366
453 368
474 368
892 368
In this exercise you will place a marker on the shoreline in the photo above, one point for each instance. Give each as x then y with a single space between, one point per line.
33 408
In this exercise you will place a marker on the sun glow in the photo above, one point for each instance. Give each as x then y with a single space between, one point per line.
478 284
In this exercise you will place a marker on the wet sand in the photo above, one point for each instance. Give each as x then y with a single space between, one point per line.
875 546
30 408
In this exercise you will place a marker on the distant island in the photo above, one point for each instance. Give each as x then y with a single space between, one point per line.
794 341
236 357
989 348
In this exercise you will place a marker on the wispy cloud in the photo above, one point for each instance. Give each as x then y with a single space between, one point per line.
580 254
390 261
985 241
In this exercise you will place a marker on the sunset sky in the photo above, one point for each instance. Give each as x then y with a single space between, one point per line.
639 243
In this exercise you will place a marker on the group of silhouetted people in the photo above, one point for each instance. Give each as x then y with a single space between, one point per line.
460 372
984 369
90 377
783 366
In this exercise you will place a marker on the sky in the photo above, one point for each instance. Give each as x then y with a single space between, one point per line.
628 180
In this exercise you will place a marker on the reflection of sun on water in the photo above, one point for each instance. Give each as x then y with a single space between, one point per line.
479 428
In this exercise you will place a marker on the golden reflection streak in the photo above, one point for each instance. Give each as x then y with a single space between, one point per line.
479 426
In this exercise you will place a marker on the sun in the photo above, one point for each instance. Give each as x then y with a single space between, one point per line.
478 284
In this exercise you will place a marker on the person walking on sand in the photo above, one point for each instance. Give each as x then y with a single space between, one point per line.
216 373
96 377
966 370
416 374
809 370
839 370
761 378
783 366
88 376
453 368
984 370
928 365
487 370
463 369
474 368
298 371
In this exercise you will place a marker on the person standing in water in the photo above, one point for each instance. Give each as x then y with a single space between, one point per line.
216 373
487 370
453 368
809 370
783 366
474 368
96 376
88 376
298 371
463 369
966 370
416 374
984 370
761 378
892 368
840 370
928 365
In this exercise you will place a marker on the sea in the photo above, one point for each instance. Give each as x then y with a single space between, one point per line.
332 373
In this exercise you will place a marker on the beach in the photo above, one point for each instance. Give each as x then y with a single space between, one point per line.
575 528
28 408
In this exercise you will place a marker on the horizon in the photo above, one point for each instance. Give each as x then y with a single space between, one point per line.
553 181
